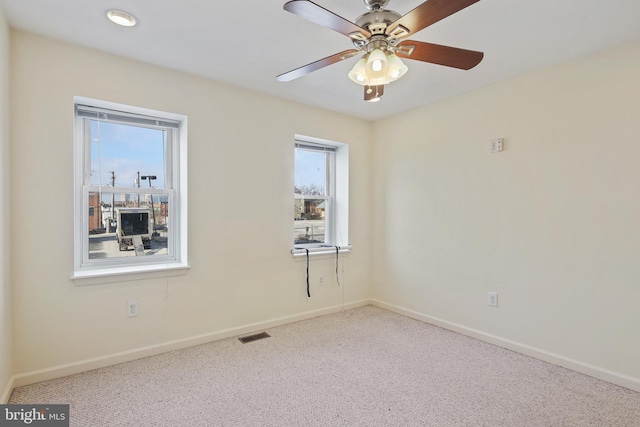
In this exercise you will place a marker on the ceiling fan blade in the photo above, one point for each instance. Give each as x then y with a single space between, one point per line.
428 13
312 12
306 69
437 54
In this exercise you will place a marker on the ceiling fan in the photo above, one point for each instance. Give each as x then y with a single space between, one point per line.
380 34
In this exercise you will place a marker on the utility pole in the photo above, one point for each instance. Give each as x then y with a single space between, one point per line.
138 183
113 197
153 210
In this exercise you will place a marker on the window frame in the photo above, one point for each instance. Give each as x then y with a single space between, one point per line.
175 188
336 194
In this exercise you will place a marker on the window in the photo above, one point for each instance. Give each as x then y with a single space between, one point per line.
321 201
130 189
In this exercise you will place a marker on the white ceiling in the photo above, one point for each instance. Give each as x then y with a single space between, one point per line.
248 42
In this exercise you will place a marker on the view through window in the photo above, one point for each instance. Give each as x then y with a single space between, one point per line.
124 157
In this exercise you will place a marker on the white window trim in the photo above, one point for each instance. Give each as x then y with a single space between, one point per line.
178 196
338 224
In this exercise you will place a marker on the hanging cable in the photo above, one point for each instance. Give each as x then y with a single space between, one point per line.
308 293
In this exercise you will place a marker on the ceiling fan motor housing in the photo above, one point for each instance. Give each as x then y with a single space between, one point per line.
375 4
376 22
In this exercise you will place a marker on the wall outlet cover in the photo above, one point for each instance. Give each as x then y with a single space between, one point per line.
497 145
492 299
132 308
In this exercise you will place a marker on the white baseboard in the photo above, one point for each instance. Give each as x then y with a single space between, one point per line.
584 368
6 393
32 377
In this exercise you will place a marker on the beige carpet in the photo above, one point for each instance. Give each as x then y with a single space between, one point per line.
362 367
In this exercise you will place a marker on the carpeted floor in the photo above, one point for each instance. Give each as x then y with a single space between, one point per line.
362 367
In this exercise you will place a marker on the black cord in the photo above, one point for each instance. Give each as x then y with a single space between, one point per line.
308 293
337 276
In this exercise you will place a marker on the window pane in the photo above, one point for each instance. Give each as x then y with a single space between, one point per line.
310 172
120 153
309 224
121 222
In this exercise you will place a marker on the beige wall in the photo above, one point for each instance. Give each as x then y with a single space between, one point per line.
5 296
552 223
240 209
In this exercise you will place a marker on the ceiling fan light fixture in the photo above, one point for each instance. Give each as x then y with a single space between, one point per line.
377 64
397 68
377 68
358 73
122 18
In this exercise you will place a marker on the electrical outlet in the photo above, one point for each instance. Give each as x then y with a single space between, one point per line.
492 299
497 145
132 308
321 280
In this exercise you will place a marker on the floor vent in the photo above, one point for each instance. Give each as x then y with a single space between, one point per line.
254 337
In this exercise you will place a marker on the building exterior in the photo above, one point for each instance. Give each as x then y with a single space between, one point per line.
95 212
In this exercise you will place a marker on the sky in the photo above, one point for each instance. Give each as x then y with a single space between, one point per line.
310 168
126 150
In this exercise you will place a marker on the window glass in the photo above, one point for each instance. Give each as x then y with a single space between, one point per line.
311 172
313 197
124 216
120 153
310 224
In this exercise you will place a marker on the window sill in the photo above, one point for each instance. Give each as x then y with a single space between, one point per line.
121 274
321 250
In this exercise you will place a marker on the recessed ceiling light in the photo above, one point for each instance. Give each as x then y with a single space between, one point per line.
122 18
